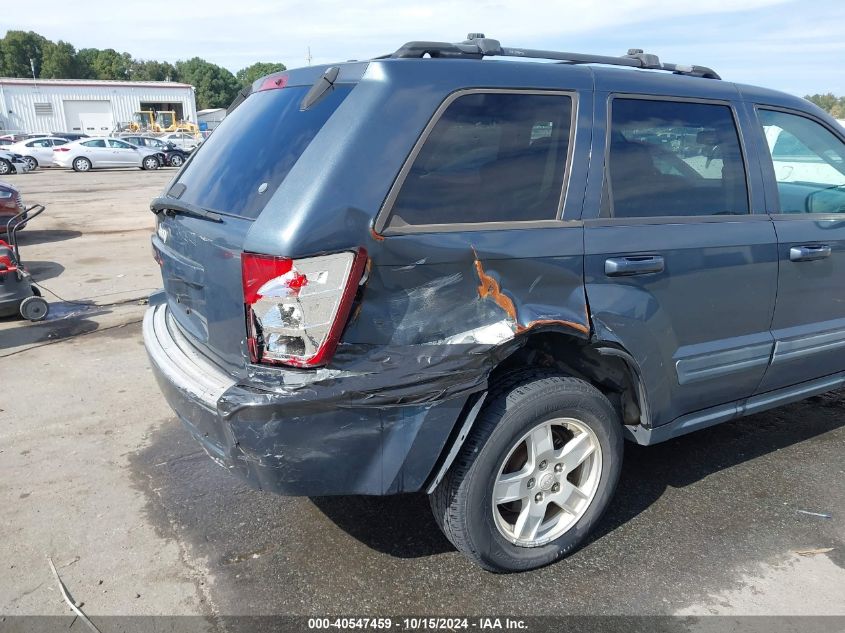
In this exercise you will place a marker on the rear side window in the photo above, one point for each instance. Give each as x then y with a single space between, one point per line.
96 143
673 158
239 167
490 157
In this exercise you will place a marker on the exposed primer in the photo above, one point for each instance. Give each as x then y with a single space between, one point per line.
492 334
570 324
489 287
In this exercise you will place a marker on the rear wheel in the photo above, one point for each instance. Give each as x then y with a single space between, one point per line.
81 164
177 160
150 162
34 308
31 162
5 167
537 471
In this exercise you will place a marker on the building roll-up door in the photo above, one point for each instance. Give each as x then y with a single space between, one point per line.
89 117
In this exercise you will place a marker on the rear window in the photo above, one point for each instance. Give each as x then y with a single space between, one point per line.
239 167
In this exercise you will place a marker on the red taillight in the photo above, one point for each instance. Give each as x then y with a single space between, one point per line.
61 149
273 82
296 309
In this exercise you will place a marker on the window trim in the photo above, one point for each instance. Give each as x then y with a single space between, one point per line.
770 178
674 219
383 216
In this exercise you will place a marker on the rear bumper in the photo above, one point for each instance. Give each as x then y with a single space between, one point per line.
311 441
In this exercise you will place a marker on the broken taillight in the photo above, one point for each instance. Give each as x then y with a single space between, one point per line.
296 309
273 82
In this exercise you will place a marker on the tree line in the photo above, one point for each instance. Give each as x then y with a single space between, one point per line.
831 103
26 53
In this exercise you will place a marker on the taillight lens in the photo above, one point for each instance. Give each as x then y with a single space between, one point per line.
61 149
273 82
296 309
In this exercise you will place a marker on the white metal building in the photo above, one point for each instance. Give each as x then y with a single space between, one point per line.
89 106
212 117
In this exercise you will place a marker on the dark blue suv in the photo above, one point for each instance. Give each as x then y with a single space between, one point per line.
429 272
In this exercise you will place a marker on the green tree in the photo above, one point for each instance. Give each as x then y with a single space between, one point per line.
834 105
109 64
59 61
216 87
18 48
825 102
259 69
85 63
151 70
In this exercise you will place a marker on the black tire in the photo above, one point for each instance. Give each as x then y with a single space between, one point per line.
29 160
149 162
34 308
5 167
462 502
81 164
177 160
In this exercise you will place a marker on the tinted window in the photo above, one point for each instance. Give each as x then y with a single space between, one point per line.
672 158
39 143
96 143
808 161
119 144
489 158
251 152
59 141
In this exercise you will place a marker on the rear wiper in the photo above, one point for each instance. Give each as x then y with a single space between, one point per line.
174 206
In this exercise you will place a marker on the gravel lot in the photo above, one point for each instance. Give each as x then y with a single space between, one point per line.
96 473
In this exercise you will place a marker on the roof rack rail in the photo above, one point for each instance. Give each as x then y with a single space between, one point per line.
477 46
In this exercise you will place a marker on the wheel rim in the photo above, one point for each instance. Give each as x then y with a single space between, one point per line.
82 164
151 163
4 167
176 161
547 482
31 162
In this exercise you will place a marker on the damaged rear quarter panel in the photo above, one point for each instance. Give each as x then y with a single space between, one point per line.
473 287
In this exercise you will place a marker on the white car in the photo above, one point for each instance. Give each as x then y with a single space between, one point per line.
12 163
795 162
182 140
37 152
102 153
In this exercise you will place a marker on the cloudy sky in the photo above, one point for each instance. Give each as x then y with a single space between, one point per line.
792 45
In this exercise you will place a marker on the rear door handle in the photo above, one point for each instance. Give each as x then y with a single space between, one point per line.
809 252
633 265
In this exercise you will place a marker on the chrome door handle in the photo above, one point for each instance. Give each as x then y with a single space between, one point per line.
633 265
809 252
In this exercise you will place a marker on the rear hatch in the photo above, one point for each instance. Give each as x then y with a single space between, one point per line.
232 175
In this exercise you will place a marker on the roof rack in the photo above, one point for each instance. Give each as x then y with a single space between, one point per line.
477 46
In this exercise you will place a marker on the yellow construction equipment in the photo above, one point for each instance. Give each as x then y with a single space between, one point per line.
143 121
166 122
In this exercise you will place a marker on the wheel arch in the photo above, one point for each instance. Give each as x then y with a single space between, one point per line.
601 361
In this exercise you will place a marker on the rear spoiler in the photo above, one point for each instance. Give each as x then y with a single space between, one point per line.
242 94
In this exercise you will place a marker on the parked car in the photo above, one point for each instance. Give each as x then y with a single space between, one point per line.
38 152
182 140
11 204
104 152
172 155
12 163
6 141
70 136
490 303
